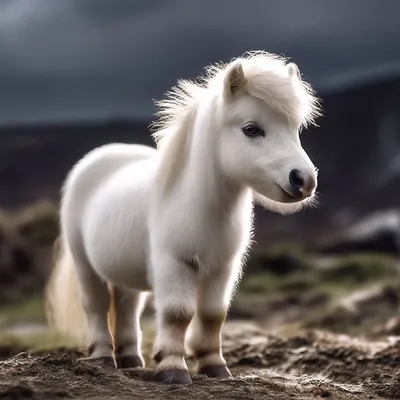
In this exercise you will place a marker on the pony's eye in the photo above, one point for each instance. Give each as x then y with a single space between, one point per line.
251 129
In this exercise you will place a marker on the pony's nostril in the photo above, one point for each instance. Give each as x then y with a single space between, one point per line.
296 179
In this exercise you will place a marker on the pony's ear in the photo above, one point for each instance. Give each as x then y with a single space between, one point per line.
294 71
234 79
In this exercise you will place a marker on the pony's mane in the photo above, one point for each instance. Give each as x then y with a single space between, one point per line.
267 78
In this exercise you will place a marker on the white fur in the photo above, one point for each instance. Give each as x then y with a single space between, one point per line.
178 220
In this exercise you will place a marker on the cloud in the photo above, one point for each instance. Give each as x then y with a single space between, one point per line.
74 58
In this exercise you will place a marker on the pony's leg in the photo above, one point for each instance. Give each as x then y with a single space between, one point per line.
205 331
128 307
175 300
96 302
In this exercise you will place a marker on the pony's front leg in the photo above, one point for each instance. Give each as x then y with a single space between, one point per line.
205 331
175 300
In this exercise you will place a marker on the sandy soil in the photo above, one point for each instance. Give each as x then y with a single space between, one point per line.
310 365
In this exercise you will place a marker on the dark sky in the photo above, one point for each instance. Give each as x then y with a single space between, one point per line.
71 59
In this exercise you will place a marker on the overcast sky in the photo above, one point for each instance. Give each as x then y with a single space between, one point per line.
71 59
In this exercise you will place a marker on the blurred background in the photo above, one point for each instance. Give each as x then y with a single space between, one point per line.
80 73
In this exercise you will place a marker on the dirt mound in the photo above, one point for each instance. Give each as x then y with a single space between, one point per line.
308 366
26 239
367 311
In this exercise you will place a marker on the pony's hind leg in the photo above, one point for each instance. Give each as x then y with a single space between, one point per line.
205 331
96 302
128 306
175 299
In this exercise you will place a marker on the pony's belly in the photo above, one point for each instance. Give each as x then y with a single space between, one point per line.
122 259
133 276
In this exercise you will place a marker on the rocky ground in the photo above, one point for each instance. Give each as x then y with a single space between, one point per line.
303 326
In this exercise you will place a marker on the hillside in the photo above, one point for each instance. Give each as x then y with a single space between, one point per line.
355 148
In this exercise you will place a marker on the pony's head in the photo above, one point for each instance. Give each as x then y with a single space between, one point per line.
254 109
262 107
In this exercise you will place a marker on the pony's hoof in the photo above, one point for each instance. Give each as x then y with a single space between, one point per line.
174 377
127 362
215 371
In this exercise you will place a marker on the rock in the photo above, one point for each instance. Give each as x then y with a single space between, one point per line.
391 327
377 233
364 310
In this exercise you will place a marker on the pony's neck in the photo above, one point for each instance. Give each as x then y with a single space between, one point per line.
190 162
203 172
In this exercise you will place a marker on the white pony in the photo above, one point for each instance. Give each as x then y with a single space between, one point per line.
178 220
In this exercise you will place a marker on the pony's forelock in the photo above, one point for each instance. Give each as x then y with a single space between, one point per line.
269 78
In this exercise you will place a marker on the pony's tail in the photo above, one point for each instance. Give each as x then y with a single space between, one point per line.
64 306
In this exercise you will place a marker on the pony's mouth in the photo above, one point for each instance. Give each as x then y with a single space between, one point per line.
292 196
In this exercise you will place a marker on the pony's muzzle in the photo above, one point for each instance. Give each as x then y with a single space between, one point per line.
302 183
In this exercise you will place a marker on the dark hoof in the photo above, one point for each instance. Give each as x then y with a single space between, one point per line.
107 361
215 371
174 377
126 362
